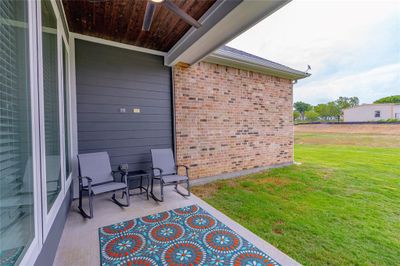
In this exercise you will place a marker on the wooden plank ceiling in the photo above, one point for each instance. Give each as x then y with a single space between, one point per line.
121 21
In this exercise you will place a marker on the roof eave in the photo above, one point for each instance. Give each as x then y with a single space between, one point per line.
252 66
225 20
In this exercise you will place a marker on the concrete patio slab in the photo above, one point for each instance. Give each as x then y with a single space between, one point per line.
79 244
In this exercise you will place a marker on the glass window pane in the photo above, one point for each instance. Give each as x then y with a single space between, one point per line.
51 103
16 174
66 109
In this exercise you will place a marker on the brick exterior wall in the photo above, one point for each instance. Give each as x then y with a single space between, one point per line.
228 120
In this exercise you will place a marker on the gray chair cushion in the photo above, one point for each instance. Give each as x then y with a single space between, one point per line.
98 189
164 159
174 178
96 166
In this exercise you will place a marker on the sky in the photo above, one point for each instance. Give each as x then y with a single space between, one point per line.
353 47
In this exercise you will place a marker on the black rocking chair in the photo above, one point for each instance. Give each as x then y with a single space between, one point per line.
96 177
166 171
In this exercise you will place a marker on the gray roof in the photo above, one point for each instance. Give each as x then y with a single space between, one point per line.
226 55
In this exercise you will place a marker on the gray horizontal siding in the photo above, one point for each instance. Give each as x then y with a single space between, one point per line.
121 101
110 78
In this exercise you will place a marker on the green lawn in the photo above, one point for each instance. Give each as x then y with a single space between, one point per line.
341 206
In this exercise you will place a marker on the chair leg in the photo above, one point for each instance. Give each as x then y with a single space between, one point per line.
147 190
152 185
84 214
128 200
91 204
162 191
184 194
80 199
118 202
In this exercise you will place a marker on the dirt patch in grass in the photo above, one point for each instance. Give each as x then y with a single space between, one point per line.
210 189
277 227
207 191
369 140
385 129
278 181
327 173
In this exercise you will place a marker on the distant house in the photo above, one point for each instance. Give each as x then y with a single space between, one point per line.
372 112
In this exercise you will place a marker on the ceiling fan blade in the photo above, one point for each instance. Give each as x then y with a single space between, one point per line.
174 8
148 16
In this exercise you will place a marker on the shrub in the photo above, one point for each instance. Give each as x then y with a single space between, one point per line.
390 120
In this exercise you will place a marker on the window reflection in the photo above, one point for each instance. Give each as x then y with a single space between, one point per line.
16 173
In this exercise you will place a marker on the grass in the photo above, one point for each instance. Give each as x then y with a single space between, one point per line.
341 206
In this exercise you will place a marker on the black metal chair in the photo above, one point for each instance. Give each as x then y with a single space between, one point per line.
96 177
166 171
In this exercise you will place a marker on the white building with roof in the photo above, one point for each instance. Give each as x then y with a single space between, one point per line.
372 112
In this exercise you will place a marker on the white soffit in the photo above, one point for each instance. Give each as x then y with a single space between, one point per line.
194 47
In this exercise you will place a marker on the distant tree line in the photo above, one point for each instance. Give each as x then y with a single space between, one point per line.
389 99
325 111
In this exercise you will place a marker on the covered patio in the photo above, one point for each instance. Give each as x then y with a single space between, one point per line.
125 77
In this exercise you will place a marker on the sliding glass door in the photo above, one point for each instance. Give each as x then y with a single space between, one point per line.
17 217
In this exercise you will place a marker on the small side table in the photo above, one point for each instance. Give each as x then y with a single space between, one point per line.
139 174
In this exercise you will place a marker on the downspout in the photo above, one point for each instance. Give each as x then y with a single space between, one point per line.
173 111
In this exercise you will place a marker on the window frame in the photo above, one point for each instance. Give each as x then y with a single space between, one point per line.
68 179
33 248
49 216
377 114
36 244
43 220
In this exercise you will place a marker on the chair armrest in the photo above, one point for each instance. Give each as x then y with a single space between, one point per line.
186 167
86 177
89 180
156 168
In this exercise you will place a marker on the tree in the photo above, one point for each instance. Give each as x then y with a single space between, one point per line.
346 102
311 115
334 110
389 99
302 107
323 111
296 115
354 101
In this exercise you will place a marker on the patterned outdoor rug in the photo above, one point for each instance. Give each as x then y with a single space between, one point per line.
184 236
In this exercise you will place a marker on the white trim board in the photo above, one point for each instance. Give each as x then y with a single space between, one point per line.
74 119
116 44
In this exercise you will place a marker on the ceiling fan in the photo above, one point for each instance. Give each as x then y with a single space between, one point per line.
151 7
